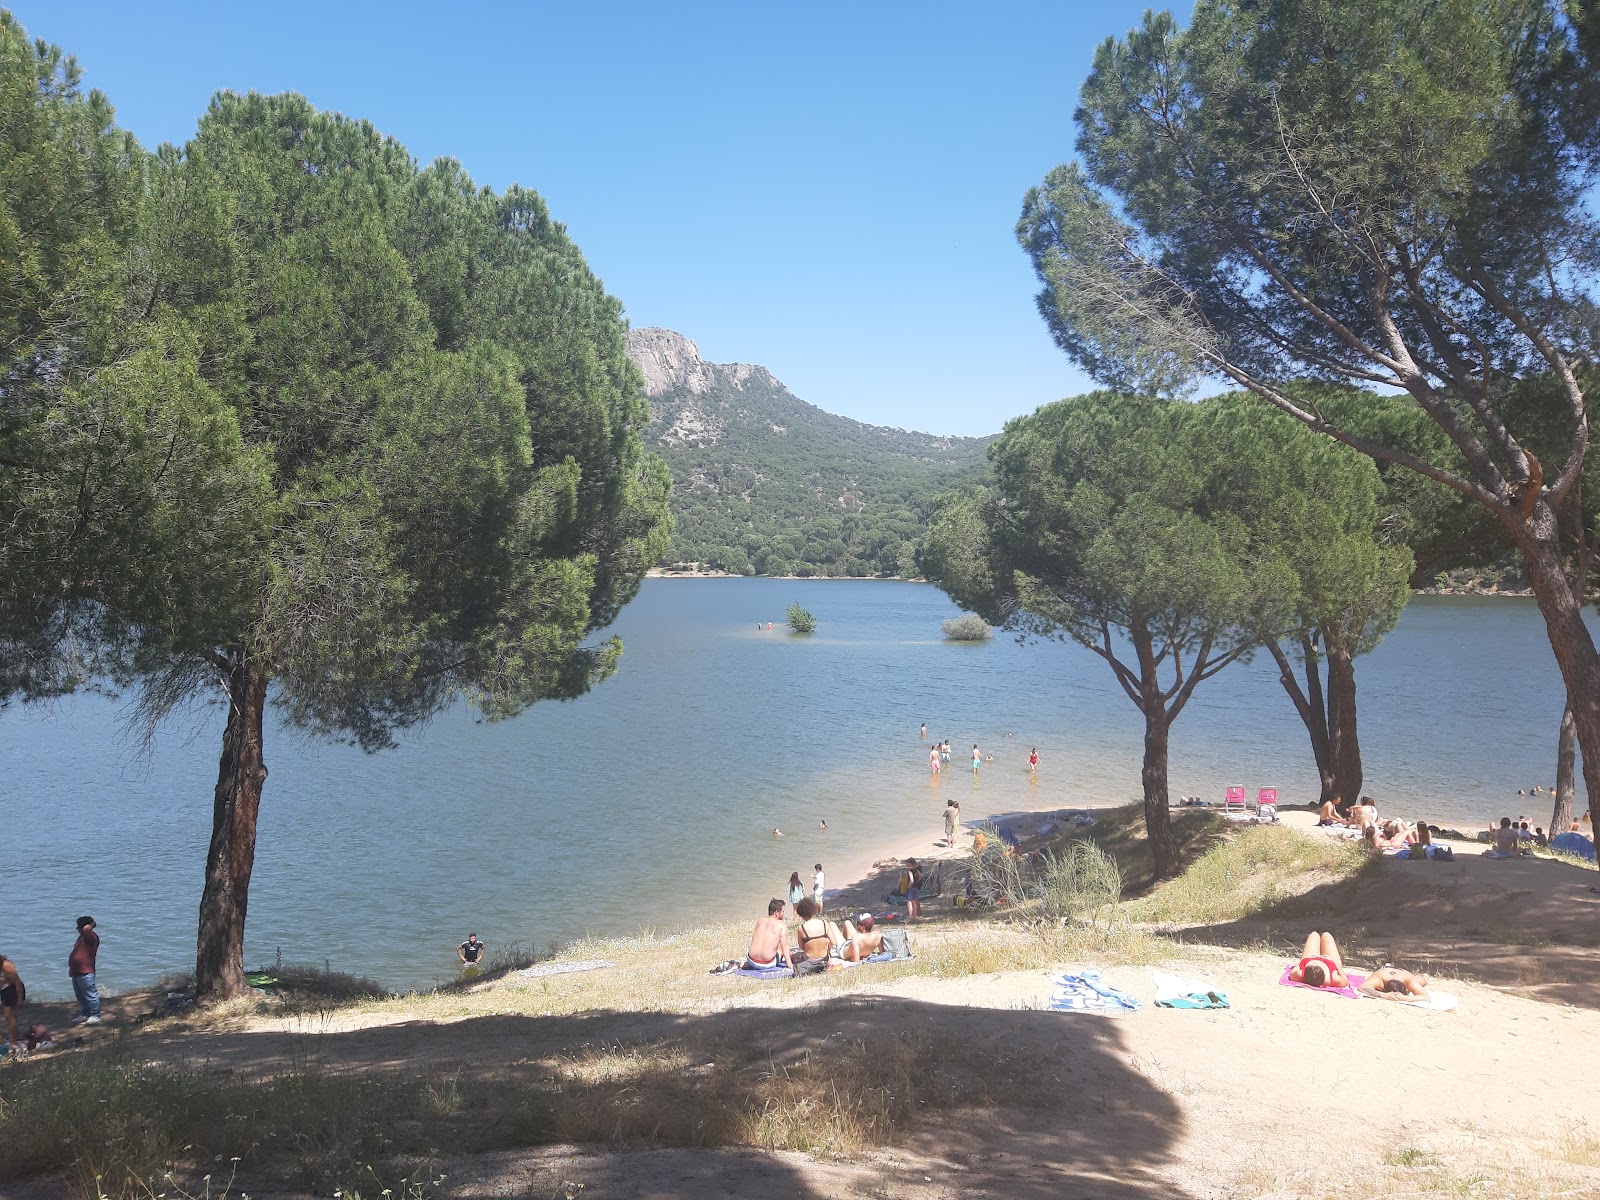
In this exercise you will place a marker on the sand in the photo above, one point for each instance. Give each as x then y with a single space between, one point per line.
1288 1093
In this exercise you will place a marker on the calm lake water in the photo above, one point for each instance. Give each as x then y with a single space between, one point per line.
650 802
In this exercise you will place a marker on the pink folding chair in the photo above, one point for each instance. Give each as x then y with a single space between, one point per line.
1234 799
1267 804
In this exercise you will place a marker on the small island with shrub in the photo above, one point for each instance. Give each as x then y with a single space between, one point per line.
800 619
968 627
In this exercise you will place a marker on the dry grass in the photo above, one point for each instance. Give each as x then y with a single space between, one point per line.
840 1096
1257 867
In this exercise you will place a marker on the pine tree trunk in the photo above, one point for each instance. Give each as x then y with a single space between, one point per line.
1344 743
1569 638
1157 816
219 950
1308 703
1566 754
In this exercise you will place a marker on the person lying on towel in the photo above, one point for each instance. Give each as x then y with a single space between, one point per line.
1391 983
769 943
861 940
1320 964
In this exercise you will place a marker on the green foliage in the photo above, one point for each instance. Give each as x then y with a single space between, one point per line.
784 488
968 627
799 619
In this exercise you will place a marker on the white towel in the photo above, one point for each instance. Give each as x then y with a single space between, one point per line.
1170 987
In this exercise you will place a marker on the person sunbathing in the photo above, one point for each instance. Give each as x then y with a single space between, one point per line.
1391 983
861 940
1393 834
818 936
1320 965
1328 814
769 943
1506 843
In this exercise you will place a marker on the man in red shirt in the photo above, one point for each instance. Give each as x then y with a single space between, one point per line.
80 965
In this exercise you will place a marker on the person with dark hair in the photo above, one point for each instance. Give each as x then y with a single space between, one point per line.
1320 964
911 884
1391 983
769 943
13 995
470 951
80 968
1506 844
818 936
796 889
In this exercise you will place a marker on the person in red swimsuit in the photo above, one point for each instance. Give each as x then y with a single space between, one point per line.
1320 964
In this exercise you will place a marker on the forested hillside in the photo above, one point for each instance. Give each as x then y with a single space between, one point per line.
764 483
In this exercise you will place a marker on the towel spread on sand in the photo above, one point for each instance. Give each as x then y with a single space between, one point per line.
769 973
1349 993
564 968
1084 991
1436 1001
1173 991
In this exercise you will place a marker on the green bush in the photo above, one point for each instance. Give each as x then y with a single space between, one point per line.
800 619
968 627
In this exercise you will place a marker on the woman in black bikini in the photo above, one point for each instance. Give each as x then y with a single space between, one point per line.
12 996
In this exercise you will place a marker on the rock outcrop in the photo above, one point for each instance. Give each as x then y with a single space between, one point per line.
671 361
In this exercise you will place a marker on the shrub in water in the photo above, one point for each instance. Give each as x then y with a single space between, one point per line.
800 620
969 627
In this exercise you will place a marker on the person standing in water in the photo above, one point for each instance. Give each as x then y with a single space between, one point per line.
944 751
933 761
1033 761
977 758
922 734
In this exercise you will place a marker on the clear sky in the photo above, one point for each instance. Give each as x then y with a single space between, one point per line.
828 190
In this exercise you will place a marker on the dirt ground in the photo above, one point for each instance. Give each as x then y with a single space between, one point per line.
1288 1093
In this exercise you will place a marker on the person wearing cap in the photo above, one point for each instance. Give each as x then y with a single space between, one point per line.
861 940
80 967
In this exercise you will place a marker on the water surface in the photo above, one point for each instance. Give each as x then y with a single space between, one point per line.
650 802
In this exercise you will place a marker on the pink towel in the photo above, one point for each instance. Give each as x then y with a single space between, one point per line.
1349 992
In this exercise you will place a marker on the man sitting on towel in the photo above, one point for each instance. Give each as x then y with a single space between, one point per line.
769 943
1391 983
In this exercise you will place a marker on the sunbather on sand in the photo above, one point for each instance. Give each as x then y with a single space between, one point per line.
861 939
1391 983
1393 834
1328 814
769 943
1320 964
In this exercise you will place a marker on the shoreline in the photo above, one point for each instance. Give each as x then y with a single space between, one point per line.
667 573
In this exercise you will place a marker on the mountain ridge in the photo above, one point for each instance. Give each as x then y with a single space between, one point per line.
767 483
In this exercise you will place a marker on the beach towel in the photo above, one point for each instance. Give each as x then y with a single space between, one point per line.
1436 1001
769 973
1084 991
1173 991
540 970
1349 992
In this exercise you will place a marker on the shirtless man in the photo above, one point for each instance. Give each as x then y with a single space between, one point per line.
861 940
12 997
769 943
1391 983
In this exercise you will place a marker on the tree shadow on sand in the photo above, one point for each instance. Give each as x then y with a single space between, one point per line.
849 1095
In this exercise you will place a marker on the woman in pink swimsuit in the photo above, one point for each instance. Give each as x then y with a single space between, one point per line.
1320 964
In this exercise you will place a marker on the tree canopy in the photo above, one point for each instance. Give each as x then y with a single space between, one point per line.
364 434
1353 191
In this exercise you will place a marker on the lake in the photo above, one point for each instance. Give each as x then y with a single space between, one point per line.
650 803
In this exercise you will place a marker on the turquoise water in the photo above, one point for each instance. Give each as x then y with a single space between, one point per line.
651 802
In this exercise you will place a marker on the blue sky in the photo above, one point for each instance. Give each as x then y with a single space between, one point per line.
827 190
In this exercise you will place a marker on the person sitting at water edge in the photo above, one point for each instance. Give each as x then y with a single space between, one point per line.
861 940
1391 983
769 943
1328 814
1320 964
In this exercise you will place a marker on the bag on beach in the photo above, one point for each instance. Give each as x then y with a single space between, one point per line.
897 942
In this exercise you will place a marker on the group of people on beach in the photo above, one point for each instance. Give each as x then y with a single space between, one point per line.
1322 966
80 971
817 939
1378 836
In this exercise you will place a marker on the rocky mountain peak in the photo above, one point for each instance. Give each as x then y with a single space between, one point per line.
670 361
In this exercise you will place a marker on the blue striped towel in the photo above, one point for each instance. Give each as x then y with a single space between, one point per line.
1084 991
